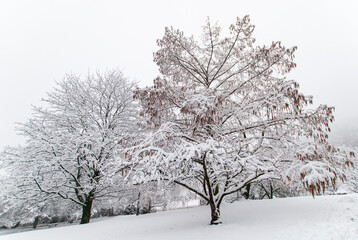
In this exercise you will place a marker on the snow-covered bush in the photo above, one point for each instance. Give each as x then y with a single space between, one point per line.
21 201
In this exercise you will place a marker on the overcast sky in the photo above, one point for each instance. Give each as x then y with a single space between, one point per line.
41 41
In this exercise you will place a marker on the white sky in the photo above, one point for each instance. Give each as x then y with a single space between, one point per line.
41 41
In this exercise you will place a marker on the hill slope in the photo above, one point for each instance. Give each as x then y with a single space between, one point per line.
325 217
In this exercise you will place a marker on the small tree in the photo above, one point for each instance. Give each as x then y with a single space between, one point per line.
223 116
75 140
351 184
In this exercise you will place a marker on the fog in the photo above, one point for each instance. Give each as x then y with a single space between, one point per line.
41 41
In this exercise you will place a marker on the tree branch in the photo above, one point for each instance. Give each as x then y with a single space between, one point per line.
62 195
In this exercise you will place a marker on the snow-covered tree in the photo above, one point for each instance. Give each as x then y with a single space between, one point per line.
223 116
351 184
20 199
75 139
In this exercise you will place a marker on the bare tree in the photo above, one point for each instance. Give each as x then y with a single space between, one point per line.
76 139
223 116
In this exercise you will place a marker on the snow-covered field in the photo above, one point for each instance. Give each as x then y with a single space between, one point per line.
325 217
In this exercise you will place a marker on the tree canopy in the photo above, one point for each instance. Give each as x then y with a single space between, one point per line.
223 115
75 140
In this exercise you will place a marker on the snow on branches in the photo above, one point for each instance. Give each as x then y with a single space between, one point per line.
75 141
223 115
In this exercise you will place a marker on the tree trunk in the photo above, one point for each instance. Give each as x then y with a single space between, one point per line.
215 209
36 222
247 192
150 205
215 214
138 204
86 211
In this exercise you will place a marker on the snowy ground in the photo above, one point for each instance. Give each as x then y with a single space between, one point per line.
326 217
